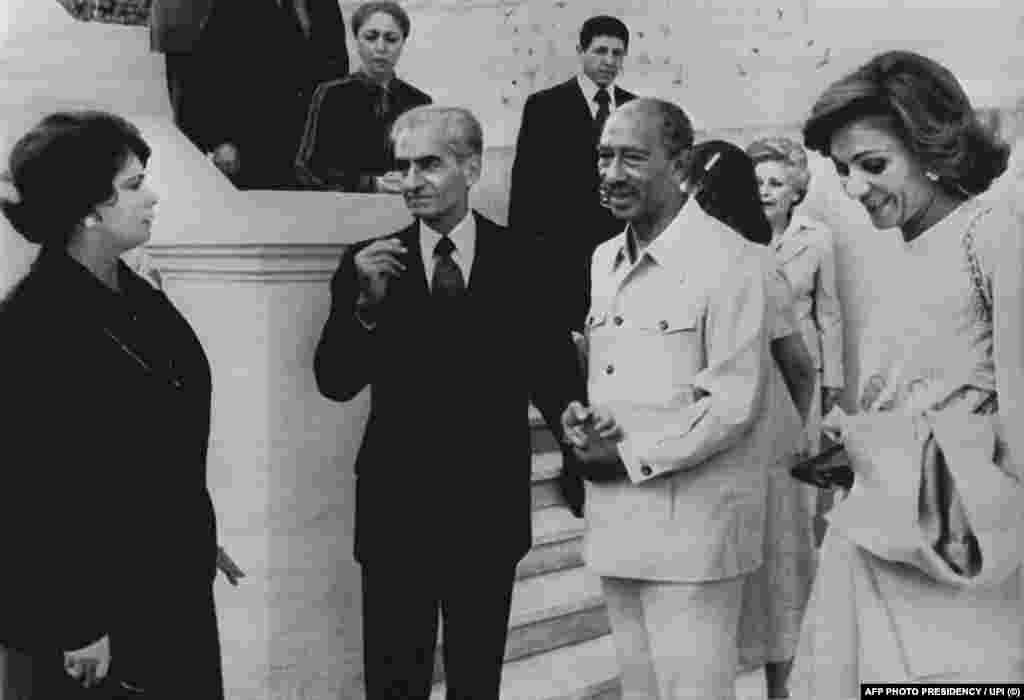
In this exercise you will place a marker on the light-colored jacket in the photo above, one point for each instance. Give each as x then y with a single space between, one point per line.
679 353
805 252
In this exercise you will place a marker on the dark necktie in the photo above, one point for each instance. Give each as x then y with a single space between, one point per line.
603 100
448 282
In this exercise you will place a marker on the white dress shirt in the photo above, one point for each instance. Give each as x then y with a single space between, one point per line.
464 238
590 88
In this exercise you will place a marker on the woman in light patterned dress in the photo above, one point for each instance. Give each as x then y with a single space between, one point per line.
804 248
774 597
919 579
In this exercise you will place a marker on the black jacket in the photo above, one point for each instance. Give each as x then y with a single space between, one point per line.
554 187
443 472
108 525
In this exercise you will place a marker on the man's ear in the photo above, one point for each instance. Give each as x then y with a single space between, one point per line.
471 169
680 166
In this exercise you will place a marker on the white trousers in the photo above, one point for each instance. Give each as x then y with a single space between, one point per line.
675 641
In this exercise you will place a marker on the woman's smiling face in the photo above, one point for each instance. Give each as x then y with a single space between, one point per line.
876 169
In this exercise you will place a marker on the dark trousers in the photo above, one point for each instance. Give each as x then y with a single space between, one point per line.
400 619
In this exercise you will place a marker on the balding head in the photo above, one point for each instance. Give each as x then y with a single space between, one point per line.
674 127
641 161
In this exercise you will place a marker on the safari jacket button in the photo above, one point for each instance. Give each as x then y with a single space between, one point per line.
610 369
618 320
645 470
663 325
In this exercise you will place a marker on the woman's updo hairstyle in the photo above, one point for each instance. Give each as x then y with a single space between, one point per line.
63 168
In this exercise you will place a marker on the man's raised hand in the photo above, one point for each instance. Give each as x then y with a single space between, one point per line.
375 265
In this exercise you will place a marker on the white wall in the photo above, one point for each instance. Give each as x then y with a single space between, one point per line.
730 62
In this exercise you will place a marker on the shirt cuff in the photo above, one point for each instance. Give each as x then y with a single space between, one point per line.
638 470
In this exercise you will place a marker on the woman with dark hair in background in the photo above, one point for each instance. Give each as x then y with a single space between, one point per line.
106 432
920 576
721 177
346 145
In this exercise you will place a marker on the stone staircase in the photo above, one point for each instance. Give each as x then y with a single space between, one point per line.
559 643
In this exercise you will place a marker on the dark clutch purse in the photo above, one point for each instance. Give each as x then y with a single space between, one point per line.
822 471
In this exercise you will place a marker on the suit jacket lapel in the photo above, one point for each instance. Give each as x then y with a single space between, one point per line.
578 100
793 242
482 273
414 280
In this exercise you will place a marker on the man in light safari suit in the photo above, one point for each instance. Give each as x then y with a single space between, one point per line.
673 444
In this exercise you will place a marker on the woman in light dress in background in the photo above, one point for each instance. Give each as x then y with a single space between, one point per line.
774 597
920 570
805 250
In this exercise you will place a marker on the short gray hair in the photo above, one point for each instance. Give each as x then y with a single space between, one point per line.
460 130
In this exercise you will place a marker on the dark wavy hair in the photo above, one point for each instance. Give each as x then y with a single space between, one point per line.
920 102
603 25
725 186
63 168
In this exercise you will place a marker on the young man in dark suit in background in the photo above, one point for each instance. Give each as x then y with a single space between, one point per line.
443 320
554 188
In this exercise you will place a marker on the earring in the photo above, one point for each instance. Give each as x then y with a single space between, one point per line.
931 176
90 221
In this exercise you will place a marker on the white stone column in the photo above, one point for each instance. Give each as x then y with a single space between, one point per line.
280 468
253 282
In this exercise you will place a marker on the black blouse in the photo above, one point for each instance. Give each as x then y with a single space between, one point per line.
347 136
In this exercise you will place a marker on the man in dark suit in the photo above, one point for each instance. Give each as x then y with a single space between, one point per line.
554 188
444 320
240 74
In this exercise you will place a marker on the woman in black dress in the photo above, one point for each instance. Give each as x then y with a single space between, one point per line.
111 545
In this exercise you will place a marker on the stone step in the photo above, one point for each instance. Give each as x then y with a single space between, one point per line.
557 542
544 487
549 612
585 671
554 610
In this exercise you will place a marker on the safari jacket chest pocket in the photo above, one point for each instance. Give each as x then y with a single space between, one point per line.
648 355
673 344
